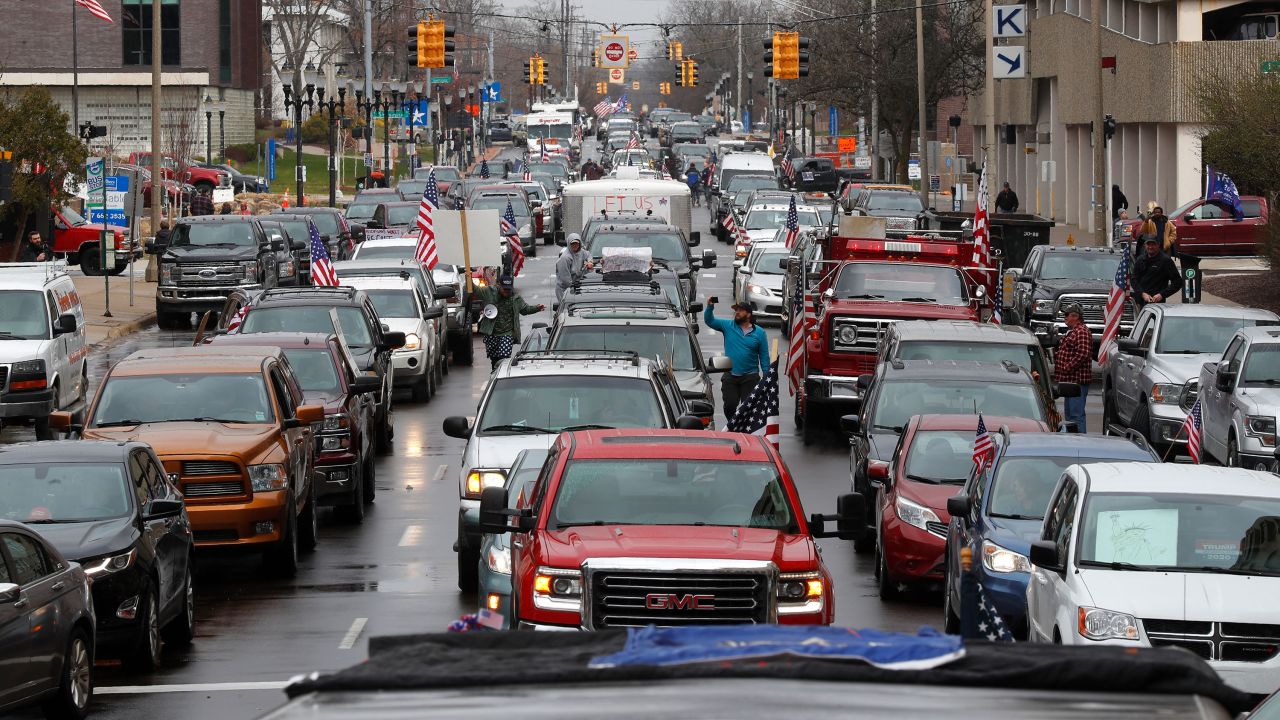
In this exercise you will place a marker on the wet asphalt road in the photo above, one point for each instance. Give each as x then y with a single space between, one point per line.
395 573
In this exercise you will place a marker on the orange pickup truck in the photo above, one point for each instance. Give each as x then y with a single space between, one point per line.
230 427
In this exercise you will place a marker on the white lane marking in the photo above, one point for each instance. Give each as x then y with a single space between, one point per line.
708 275
353 634
440 471
190 687
412 536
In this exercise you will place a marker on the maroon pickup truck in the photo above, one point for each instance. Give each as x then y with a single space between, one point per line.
174 169
1209 228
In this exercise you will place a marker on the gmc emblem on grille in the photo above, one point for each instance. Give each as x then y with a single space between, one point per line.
665 601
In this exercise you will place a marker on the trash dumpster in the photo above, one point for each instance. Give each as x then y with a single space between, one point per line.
1014 234
1191 277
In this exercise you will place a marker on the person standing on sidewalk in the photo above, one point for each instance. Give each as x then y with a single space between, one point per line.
747 345
1073 363
500 326
34 249
1007 200
202 203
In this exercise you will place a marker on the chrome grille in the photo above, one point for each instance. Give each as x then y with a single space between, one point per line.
1190 392
209 467
207 274
1094 307
869 333
213 489
1226 641
636 599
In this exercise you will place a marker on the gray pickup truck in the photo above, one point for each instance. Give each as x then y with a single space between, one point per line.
1151 383
1239 400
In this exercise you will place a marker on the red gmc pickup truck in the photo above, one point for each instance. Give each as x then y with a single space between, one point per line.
78 241
1208 228
627 528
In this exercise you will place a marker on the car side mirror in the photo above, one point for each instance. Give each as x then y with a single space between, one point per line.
980 292
959 506
364 384
66 323
493 509
850 517
1188 217
539 326
1049 341
277 245
689 422
162 508
457 426
719 363
10 593
444 292
309 414
850 424
695 238
695 264
1131 346
432 313
1223 379
391 340
708 258
701 408
1026 279
1066 390
877 470
297 245
864 381
1044 555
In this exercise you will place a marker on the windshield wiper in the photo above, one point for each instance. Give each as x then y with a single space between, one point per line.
866 296
10 336
923 479
516 428
897 429
118 423
1115 565
211 419
1209 569
1015 516
593 523
587 426
918 299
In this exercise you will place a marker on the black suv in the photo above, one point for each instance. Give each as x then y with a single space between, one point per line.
339 235
208 256
667 243
1055 275
354 318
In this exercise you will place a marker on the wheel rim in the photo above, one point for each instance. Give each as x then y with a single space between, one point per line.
315 522
191 604
153 627
79 673
1233 459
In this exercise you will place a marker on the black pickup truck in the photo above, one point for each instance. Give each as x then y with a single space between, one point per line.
206 258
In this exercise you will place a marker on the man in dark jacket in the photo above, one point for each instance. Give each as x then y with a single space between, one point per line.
1155 278
202 202
34 249
1007 200
1118 202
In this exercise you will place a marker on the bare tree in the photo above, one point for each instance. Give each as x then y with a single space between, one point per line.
297 35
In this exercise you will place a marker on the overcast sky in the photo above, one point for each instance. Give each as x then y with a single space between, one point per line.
626 11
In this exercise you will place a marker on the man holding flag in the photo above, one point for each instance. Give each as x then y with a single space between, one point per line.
425 252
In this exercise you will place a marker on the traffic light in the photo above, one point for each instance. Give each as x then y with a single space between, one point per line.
428 43
540 67
678 50
595 58
784 56
418 44
681 73
693 73
602 88
687 73
88 131
530 74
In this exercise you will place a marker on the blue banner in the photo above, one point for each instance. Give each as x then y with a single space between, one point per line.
833 121
1221 189
678 645
271 159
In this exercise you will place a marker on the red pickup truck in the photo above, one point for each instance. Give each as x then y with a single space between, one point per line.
78 241
174 169
627 528
1209 228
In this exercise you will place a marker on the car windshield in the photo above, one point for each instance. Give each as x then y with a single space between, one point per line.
551 168
1024 355
766 219
894 201
59 492
901 282
234 234
1181 532
668 247
751 182
372 251
694 149
771 263
298 230
314 368
940 456
675 117
551 403
401 215
1073 266
309 319
638 491
1022 486
72 217
394 303
361 211
561 131
900 399
220 397
499 203
23 315
671 344
326 223
1195 335
1262 367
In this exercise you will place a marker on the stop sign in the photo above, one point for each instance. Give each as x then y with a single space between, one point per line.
632 54
614 51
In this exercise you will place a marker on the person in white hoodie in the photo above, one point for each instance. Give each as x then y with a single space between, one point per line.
571 264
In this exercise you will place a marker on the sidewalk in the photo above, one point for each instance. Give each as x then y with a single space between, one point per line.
125 319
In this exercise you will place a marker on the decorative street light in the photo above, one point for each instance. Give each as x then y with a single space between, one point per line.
444 124
365 105
222 131
208 128
294 98
464 149
334 107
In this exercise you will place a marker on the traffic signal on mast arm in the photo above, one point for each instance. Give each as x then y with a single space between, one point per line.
693 72
540 66
784 58
428 43
602 88
530 74
595 58
418 44
681 73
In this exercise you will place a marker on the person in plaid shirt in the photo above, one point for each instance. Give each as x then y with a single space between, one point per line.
1073 363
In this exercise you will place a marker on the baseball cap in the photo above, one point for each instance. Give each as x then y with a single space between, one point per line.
743 306
1149 238
506 281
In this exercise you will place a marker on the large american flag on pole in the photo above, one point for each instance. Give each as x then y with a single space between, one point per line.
982 234
801 321
233 325
793 224
997 306
1191 426
788 169
95 8
1116 300
603 108
758 414
507 225
984 448
425 251
322 272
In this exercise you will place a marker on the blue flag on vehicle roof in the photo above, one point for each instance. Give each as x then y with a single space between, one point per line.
1221 189
701 643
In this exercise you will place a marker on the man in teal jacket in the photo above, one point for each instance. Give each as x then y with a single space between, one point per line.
747 345
502 330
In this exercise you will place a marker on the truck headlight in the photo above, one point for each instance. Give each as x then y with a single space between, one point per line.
1002 560
109 564
1166 393
333 443
1262 427
914 514
411 341
1042 307
847 335
336 422
1099 624
166 274
498 561
28 367
249 268
557 589
265 478
287 269
480 478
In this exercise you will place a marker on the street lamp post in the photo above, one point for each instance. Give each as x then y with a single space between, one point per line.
208 128
464 150
365 105
293 99
473 121
333 106
447 138
222 131
751 104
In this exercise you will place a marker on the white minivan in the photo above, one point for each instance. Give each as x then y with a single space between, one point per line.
1164 555
43 354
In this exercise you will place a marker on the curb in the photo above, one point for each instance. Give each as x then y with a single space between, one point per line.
117 331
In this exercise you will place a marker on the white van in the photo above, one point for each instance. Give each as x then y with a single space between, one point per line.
740 163
667 199
43 354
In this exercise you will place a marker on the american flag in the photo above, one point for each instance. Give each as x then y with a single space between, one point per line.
758 413
982 233
425 252
233 325
633 142
322 272
1192 428
997 307
95 8
984 450
484 168
793 224
507 225
603 108
990 625
527 176
543 144
787 168
1115 305
795 344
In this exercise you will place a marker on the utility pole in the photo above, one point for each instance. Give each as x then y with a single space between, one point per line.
989 94
368 50
922 142
875 98
737 111
156 144
564 40
1101 220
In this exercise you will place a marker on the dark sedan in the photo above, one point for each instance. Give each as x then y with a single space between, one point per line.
111 507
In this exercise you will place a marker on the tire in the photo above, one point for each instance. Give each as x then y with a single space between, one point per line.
468 570
370 481
309 525
1233 453
812 427
865 543
354 512
91 261
950 619
421 392
75 688
444 361
182 629
117 270
43 431
888 588
1142 419
145 656
283 558
533 249
1109 416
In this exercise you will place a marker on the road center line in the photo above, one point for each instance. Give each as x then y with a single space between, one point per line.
412 536
191 687
353 634
708 275
440 471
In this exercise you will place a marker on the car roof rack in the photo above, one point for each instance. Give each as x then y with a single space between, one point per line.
621 285
315 292
530 355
